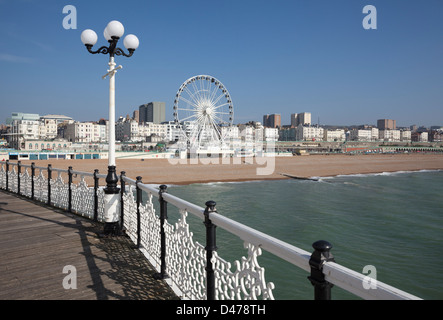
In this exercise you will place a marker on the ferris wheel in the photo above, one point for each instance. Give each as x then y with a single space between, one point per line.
203 108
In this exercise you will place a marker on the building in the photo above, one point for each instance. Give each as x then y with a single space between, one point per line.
435 135
272 121
45 145
22 116
58 119
270 134
334 135
389 135
127 130
136 115
405 135
85 132
419 136
286 134
48 129
130 130
308 133
300 118
383 124
21 130
152 112
371 134
29 126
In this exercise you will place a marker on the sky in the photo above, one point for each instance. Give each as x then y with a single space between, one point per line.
274 56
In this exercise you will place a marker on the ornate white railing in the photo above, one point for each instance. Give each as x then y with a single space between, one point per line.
65 189
193 270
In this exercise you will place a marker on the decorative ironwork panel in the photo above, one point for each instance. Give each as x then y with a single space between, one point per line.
59 193
26 184
150 231
101 205
83 199
247 282
2 177
41 188
12 180
185 260
130 213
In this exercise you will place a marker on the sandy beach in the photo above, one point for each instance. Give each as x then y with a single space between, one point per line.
162 171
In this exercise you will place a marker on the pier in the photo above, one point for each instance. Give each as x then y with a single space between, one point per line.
40 246
51 218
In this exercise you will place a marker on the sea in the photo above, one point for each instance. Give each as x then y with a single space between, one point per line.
391 221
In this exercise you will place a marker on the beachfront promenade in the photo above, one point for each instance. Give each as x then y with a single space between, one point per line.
40 246
50 218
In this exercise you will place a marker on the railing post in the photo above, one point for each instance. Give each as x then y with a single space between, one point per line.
7 175
32 180
210 248
122 192
70 189
112 204
19 171
49 183
163 217
139 201
321 255
96 178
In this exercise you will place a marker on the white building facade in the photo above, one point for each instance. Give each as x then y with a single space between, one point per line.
308 133
371 134
334 135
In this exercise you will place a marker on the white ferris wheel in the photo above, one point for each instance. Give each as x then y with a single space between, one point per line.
204 109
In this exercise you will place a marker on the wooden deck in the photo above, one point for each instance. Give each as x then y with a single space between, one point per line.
37 242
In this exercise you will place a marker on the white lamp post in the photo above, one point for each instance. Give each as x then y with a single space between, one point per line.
112 33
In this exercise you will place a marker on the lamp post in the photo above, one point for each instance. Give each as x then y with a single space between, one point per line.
113 32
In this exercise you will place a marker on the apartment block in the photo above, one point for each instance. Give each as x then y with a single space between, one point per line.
152 112
303 118
383 124
272 121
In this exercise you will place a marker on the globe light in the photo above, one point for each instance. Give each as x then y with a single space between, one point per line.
131 42
115 29
106 35
89 37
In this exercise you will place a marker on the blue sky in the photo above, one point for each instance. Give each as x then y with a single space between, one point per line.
273 56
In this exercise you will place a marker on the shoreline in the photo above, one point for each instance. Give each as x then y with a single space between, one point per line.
161 171
314 178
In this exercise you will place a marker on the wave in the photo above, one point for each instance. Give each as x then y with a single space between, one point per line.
363 175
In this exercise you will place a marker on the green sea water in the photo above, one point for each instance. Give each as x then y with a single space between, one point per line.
393 221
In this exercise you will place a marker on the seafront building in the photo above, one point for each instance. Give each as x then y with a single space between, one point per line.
272 121
383 124
85 132
334 135
309 133
25 127
303 119
154 112
371 134
57 133
130 130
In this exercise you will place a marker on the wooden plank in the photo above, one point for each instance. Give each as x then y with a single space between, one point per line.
37 242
